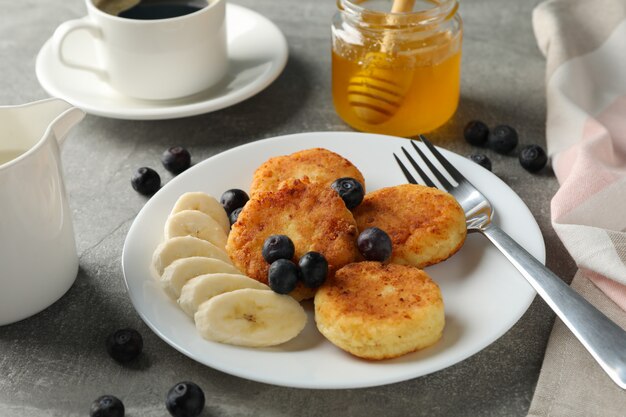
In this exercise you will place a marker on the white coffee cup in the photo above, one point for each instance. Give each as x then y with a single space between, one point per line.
38 259
152 59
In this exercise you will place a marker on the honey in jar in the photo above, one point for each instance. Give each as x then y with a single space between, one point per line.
396 73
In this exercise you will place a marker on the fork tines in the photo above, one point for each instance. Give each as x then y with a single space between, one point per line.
431 167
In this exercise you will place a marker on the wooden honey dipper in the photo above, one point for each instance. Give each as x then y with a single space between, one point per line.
375 93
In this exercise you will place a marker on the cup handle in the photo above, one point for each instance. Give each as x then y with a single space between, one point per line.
65 29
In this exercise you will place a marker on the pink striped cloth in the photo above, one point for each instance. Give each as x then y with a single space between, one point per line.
585 47
586 133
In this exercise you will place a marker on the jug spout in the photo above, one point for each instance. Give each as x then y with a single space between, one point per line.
27 126
61 116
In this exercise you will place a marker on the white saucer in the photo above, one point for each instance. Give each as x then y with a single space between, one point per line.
257 52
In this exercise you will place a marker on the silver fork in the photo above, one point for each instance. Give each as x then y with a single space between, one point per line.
605 340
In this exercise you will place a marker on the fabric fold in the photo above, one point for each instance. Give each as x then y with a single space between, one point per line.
586 129
571 383
584 44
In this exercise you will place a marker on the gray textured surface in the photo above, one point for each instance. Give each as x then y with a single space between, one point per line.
54 364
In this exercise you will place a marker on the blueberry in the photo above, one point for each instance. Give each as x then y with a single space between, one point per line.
124 345
234 215
313 269
233 199
350 190
476 133
283 276
277 247
185 399
481 159
502 139
146 181
107 406
374 244
176 159
533 158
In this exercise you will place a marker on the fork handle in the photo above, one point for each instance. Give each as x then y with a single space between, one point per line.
604 339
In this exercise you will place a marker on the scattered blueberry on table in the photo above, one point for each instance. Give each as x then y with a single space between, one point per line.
107 406
146 181
185 399
350 190
476 133
124 345
277 247
481 159
374 244
176 159
283 276
233 199
533 158
502 139
313 269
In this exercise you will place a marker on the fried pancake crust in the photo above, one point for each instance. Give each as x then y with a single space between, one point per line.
318 164
426 225
377 311
313 216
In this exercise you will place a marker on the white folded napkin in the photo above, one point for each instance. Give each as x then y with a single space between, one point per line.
585 47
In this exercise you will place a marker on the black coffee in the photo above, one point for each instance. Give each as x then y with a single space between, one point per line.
150 9
160 10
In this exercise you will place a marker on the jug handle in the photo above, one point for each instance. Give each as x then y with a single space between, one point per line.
61 34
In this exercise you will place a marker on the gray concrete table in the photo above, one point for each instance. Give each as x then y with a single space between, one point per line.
55 364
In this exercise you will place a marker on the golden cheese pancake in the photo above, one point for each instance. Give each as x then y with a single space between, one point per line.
380 311
320 165
313 216
426 225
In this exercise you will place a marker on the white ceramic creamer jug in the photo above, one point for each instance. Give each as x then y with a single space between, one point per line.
38 259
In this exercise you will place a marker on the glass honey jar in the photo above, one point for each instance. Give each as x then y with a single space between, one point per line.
396 73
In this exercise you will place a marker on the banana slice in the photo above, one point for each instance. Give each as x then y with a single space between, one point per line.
204 287
195 223
205 203
250 317
185 247
182 270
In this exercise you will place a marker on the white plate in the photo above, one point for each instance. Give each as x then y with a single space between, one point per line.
257 52
483 294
